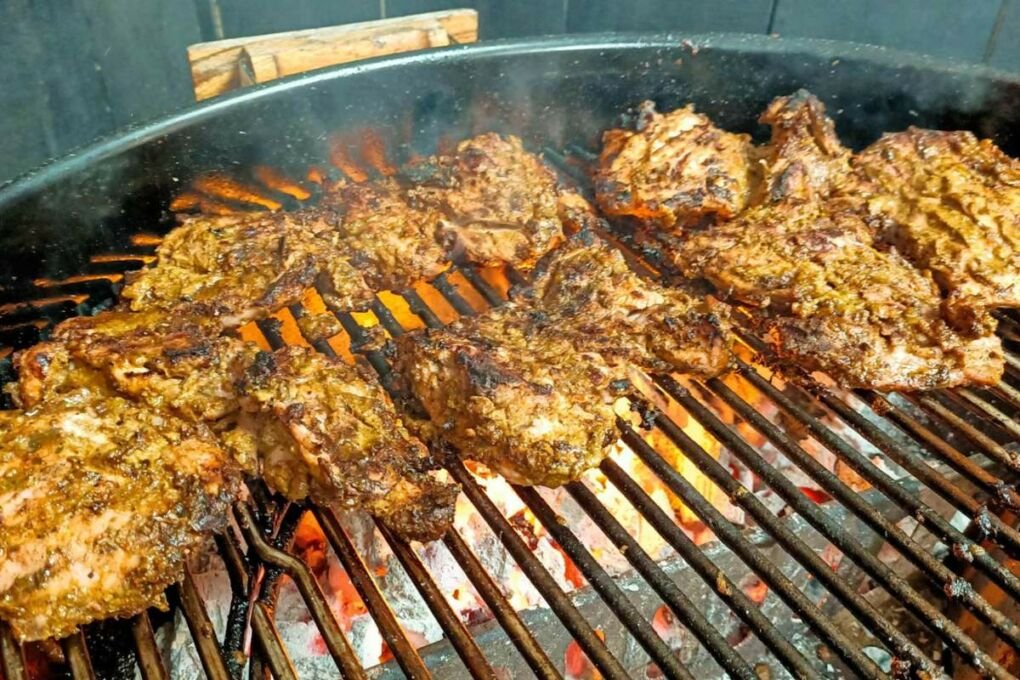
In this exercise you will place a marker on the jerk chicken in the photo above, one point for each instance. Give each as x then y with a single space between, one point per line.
490 202
803 262
950 204
102 499
528 389
675 170
236 268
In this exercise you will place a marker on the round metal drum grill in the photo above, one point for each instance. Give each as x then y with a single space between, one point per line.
901 559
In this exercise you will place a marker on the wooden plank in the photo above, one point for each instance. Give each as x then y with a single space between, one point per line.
691 16
255 17
141 54
226 64
946 28
1004 46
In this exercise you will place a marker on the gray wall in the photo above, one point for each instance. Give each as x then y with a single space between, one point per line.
77 69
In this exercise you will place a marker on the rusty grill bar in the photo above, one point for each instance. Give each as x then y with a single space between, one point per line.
957 449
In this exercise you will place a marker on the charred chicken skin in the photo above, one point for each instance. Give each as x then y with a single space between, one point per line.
950 204
236 268
675 170
804 263
102 500
309 425
528 389
512 395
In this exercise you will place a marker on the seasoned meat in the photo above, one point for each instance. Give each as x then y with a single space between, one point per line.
500 204
101 502
829 301
332 433
518 398
239 267
587 291
950 204
675 170
308 425
804 160
490 202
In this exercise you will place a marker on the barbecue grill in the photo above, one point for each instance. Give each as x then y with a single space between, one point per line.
896 553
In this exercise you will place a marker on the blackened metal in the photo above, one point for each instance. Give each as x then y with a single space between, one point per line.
240 572
451 623
374 355
685 610
337 644
904 456
386 318
739 544
941 576
501 608
77 654
849 545
1004 421
273 650
456 300
420 309
12 655
201 628
721 585
150 662
476 280
543 581
910 503
975 416
989 447
603 584
403 651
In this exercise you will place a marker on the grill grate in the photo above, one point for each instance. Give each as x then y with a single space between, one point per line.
957 450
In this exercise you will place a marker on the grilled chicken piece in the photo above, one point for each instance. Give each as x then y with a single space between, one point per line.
102 500
950 204
804 160
308 425
353 449
512 395
587 291
829 301
490 202
240 267
675 170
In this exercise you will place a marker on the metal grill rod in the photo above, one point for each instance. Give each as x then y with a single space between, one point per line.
604 585
989 447
922 513
12 655
77 653
904 456
826 526
941 576
1004 421
201 628
685 610
732 537
149 660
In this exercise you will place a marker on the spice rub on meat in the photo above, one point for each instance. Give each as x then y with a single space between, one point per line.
330 432
102 500
829 301
490 202
236 268
675 170
512 395
529 388
805 265
309 425
949 203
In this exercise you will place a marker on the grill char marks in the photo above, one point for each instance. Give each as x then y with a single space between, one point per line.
675 170
488 203
802 261
241 267
529 388
102 500
951 204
